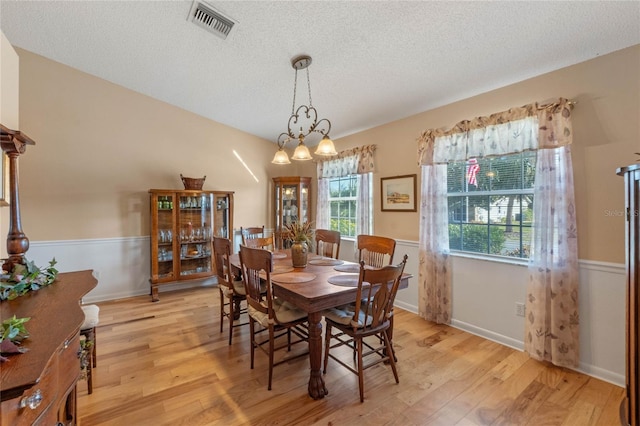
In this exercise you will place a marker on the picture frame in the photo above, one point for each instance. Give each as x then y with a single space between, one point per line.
4 187
398 193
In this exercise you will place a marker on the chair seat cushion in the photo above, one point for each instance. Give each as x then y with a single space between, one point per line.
283 311
345 315
91 316
238 287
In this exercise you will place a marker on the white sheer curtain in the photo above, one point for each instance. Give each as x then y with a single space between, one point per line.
364 225
322 213
434 291
552 290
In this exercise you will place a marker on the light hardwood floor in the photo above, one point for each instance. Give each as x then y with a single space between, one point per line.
167 363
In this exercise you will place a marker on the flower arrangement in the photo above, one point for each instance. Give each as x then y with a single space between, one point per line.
299 232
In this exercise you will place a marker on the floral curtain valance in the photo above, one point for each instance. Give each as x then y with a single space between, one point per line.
358 160
531 126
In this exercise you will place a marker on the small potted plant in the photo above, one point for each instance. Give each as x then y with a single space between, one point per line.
301 237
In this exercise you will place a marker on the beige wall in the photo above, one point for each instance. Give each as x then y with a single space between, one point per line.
100 147
9 106
606 124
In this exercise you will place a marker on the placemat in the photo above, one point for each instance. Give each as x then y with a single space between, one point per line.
349 267
344 280
326 261
277 255
281 269
293 277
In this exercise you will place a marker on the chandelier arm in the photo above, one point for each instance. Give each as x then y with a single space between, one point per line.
321 131
282 142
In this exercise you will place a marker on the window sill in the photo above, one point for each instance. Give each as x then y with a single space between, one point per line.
490 258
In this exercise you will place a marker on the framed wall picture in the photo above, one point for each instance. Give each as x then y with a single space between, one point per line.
398 193
4 188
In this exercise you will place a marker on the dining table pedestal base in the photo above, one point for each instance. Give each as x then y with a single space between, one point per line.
317 388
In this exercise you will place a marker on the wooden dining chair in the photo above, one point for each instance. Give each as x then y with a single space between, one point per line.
261 242
267 314
366 327
232 291
327 243
251 232
374 250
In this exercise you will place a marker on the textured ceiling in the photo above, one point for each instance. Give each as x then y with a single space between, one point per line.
373 62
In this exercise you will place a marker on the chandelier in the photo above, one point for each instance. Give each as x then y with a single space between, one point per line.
305 116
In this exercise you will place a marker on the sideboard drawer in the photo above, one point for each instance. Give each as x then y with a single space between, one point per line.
25 409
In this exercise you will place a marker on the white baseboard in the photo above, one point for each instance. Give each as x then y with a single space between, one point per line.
488 334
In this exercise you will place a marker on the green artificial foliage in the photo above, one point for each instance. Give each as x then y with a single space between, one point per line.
26 278
13 329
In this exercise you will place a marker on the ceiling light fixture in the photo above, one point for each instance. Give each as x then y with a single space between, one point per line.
304 115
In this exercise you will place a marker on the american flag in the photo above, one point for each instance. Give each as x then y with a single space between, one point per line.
472 172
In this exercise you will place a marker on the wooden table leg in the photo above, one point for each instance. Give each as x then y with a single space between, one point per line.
317 389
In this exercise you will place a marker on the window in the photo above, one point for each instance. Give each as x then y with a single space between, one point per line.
490 204
343 201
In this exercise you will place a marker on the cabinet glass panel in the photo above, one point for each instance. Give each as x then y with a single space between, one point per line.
163 253
195 221
278 206
304 202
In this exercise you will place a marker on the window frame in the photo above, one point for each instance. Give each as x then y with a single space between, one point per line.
487 195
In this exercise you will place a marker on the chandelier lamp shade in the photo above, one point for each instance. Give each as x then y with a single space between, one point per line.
302 123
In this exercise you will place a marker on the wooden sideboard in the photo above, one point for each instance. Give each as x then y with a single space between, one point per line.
39 387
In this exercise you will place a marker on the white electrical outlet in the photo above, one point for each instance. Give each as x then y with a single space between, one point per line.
520 309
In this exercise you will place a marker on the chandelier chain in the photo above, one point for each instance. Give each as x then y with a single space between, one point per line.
309 88
295 85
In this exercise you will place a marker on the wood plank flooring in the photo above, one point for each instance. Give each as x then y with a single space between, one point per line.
167 363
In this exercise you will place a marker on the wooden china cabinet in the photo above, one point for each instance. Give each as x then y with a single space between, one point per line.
291 200
183 224
630 409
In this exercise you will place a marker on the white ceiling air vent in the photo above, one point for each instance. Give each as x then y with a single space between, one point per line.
205 16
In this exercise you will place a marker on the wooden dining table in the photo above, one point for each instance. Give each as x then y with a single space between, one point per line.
313 292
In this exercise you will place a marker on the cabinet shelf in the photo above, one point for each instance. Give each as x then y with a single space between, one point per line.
184 221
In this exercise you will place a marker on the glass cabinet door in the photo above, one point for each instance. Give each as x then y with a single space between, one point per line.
162 259
291 203
195 227
221 216
290 208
